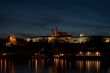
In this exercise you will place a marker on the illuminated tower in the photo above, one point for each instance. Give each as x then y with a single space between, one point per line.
12 39
55 32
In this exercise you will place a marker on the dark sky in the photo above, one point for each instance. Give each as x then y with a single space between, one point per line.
91 17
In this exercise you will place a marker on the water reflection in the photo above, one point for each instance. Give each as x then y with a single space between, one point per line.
54 66
39 63
6 66
93 65
65 66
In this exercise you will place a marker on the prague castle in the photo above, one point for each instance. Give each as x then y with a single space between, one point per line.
64 37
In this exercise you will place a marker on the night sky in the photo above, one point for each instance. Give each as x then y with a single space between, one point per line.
38 17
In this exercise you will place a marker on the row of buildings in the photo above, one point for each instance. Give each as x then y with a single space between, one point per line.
61 37
64 37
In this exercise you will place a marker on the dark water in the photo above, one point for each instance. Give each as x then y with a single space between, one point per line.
53 66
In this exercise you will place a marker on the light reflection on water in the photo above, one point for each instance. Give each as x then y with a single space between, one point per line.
54 66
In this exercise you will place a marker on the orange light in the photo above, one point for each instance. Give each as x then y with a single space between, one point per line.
12 39
61 54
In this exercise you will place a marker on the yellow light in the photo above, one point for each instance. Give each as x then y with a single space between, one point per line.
97 53
88 54
81 53
107 40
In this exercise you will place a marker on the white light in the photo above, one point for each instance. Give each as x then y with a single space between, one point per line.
97 53
88 53
61 54
4 54
81 35
80 52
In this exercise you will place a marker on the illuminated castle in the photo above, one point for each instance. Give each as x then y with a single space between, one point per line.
55 35
58 35
64 37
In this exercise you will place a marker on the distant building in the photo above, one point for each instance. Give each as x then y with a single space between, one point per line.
64 37
58 35
11 40
79 39
106 39
55 35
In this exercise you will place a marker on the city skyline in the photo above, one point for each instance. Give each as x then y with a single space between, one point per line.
26 17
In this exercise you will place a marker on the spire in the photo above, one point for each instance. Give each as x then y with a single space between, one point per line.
55 32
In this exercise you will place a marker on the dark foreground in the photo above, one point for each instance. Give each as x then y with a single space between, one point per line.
25 59
54 66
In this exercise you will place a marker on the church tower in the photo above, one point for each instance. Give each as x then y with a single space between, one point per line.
55 32
12 39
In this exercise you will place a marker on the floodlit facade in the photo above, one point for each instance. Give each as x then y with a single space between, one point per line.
56 35
106 39
37 39
80 39
64 37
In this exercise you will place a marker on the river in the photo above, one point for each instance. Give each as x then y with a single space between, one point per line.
54 66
